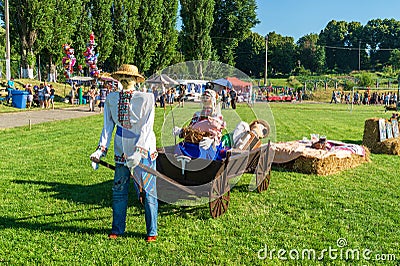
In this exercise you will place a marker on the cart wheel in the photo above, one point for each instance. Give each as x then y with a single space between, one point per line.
263 185
219 203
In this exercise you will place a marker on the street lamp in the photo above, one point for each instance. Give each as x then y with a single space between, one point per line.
266 60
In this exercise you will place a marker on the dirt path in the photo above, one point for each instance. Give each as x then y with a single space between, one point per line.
17 119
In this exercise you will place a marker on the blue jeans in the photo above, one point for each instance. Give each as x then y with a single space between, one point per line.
120 197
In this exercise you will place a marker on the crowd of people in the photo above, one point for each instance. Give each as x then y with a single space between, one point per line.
96 94
365 98
41 96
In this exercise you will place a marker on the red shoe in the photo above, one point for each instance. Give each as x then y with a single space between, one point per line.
151 238
112 236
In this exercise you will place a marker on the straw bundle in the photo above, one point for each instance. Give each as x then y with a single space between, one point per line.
329 165
372 141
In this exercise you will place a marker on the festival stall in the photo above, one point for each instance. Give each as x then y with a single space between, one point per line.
162 79
319 156
240 86
382 135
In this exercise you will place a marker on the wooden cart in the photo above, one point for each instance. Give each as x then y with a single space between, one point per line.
217 174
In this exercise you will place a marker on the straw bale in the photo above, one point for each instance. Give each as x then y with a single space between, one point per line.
372 141
329 165
326 166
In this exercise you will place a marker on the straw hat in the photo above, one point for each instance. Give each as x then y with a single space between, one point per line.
129 70
261 127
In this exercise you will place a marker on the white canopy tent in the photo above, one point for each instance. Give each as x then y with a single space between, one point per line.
162 79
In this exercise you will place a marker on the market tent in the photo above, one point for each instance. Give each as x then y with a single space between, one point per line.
162 79
223 82
80 80
83 79
239 85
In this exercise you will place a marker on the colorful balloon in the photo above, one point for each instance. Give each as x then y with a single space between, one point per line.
91 56
69 60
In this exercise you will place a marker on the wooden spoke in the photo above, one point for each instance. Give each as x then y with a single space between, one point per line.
263 185
219 201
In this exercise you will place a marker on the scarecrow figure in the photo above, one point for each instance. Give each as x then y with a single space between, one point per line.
202 137
132 113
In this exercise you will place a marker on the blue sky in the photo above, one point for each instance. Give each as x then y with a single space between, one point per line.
296 18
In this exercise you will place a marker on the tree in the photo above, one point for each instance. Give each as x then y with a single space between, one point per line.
333 38
166 50
382 36
310 54
394 59
197 21
50 39
83 28
124 18
233 20
102 28
148 34
27 18
341 40
281 53
250 55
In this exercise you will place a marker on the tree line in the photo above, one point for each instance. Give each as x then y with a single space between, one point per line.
145 33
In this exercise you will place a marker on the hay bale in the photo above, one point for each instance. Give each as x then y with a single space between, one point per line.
372 141
389 146
329 165
326 166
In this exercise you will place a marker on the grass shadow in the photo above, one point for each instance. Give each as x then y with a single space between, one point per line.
95 194
101 195
358 142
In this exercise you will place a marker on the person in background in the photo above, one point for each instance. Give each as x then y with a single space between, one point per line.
253 97
181 97
36 96
73 92
103 95
52 95
92 97
162 100
155 93
46 90
10 87
29 99
41 93
80 94
333 99
132 113
233 95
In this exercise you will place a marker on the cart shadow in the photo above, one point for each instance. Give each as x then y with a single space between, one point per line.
200 212
94 194
101 195
30 223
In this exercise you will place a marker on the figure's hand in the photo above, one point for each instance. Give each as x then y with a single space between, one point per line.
206 143
176 131
95 166
133 161
95 158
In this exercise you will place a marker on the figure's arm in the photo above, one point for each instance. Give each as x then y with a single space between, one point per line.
134 153
146 124
105 137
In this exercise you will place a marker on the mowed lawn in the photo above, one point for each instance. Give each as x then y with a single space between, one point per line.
55 210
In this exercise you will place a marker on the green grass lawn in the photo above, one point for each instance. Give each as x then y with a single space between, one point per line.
55 210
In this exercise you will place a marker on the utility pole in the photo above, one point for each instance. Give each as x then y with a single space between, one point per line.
359 55
6 18
266 60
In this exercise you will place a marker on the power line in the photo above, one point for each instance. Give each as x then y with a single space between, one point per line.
356 48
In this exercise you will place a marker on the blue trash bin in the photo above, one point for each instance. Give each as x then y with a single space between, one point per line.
19 98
